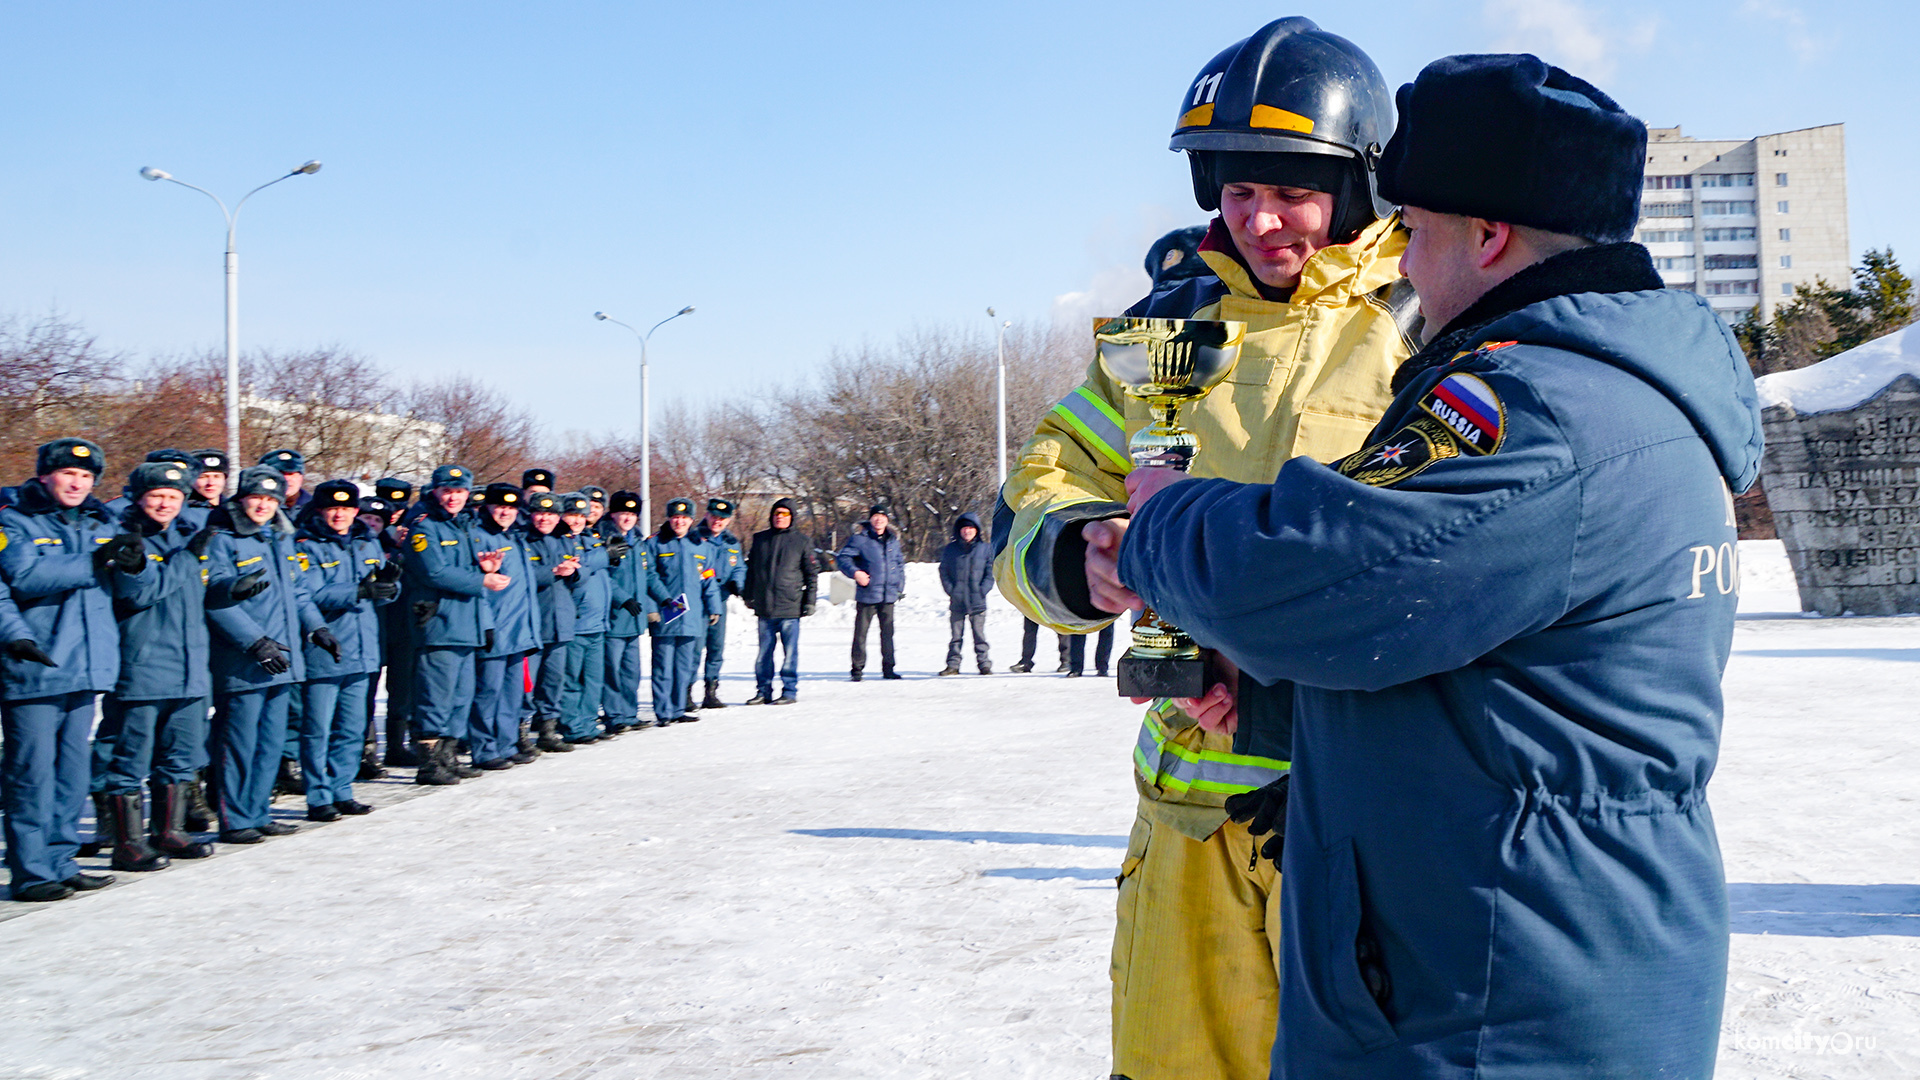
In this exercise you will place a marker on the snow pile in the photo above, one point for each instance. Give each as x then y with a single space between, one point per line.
1846 380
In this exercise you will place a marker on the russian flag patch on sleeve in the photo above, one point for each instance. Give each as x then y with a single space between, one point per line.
1470 410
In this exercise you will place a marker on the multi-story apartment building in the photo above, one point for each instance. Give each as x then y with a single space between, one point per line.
1742 223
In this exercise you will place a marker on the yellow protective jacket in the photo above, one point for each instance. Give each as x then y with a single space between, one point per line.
1312 379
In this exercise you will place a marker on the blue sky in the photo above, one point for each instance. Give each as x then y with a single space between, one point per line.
809 177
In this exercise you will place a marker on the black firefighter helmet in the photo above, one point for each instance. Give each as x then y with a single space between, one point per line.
1292 89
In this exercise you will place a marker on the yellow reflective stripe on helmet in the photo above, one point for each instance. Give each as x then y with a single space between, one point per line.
1266 116
1198 116
1098 422
1178 769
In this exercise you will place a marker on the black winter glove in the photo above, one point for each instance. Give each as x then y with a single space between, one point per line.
202 538
270 654
324 638
124 553
249 585
631 607
387 571
1264 811
806 610
28 649
424 611
486 642
618 549
372 588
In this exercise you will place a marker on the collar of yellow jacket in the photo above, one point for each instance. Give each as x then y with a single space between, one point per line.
1332 275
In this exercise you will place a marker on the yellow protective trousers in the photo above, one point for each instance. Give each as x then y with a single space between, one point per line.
1196 954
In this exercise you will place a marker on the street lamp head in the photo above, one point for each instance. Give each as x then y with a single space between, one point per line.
152 173
1006 324
309 169
601 315
688 310
989 313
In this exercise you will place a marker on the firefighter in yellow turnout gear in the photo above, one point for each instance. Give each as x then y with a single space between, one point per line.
1282 130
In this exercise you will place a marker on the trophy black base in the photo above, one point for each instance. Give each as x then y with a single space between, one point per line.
1161 676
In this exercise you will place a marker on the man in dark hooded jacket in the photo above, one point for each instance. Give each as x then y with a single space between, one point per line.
1505 621
781 580
966 572
874 556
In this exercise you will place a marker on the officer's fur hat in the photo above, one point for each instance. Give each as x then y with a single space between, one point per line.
677 507
545 502
287 461
381 508
262 480
335 493
501 493
720 507
453 476
1508 137
393 489
573 503
624 502
178 457
596 493
210 460
543 477
160 474
69 454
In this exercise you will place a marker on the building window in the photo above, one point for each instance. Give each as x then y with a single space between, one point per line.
1786 234
1723 235
1780 207
1732 262
1786 288
1669 183
1732 288
1786 262
1681 286
1779 179
1673 262
1726 180
1668 209
1726 209
1666 236
1779 153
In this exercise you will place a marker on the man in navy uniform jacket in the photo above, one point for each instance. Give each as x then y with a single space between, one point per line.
1504 623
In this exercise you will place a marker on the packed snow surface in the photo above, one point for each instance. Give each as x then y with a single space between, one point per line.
1847 379
888 880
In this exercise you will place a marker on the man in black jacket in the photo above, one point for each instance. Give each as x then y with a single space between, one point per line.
966 572
781 579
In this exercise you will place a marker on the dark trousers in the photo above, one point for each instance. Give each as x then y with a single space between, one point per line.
1102 650
620 693
443 690
957 623
400 669
249 732
715 645
580 709
674 659
863 617
493 728
1030 640
43 784
550 680
785 632
163 739
332 728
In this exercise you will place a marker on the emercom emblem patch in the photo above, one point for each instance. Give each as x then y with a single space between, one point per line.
1470 410
1403 454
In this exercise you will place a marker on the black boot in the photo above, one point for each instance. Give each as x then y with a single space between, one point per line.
550 740
169 817
369 765
693 705
288 781
454 748
131 851
528 744
713 696
433 770
199 816
400 753
103 838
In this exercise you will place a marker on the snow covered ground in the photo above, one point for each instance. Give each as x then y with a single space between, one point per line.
890 879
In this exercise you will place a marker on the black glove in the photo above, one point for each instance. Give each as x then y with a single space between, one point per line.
124 553
486 642
424 611
631 607
324 638
28 649
249 585
270 654
387 571
372 588
1264 811
806 610
618 549
202 538
713 619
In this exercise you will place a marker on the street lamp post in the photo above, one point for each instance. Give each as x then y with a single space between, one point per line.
1000 378
646 447
233 301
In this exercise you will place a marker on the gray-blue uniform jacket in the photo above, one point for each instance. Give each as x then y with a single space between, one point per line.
46 556
629 581
728 564
165 647
516 608
332 566
594 594
555 594
680 568
12 626
1506 619
442 573
283 612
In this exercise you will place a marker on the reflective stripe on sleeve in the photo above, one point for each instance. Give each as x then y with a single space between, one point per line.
1098 423
1178 769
